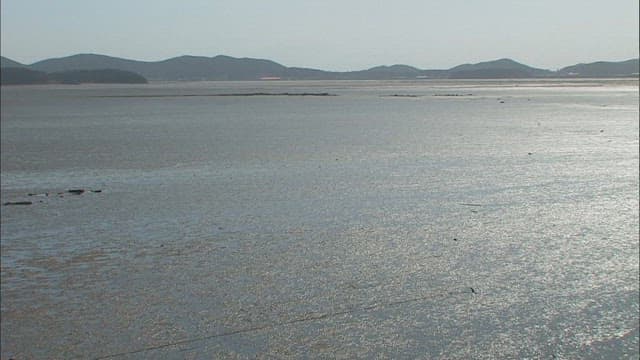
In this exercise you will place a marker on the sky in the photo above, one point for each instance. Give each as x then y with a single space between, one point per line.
337 35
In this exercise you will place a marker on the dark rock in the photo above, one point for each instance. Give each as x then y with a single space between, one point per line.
401 95
452 94
18 203
76 191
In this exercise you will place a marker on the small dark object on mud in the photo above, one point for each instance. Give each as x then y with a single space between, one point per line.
529 153
501 102
34 194
401 95
452 94
455 239
472 290
96 191
76 191
18 203
232 94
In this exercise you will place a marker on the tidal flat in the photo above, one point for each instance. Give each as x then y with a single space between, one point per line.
394 219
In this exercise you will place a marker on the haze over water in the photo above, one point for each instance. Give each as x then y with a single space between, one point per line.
487 219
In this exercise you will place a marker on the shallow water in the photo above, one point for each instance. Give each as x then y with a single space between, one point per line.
501 223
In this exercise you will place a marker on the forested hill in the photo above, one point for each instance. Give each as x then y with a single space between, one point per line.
603 68
25 76
5 62
229 68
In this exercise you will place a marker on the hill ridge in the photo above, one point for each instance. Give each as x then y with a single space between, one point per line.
224 67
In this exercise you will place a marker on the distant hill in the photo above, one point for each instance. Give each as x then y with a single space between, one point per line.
502 68
387 72
100 76
5 62
603 69
21 76
83 62
178 68
24 76
225 68
229 68
376 73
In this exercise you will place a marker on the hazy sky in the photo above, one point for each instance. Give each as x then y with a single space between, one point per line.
327 34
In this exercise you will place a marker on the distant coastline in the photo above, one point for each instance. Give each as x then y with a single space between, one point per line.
25 76
93 68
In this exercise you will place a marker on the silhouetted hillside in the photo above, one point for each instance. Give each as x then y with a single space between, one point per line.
386 72
603 69
102 76
502 68
222 68
24 76
491 74
229 68
21 76
84 62
178 68
297 73
6 63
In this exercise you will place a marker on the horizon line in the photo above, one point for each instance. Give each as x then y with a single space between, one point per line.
311 68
